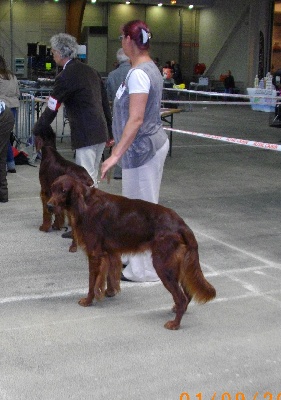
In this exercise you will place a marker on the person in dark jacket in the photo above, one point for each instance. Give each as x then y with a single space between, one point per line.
276 80
80 88
117 76
6 125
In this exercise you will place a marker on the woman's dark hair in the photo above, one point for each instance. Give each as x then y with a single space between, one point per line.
139 32
5 73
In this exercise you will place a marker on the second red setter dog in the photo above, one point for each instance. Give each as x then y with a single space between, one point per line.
52 166
107 226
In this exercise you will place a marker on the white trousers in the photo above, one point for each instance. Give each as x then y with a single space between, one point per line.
143 183
89 157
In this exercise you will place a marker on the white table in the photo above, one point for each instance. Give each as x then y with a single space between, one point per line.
267 103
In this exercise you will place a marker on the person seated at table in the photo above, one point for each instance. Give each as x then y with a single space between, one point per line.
177 75
229 83
276 80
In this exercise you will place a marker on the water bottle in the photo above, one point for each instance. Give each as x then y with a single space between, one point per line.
256 82
269 81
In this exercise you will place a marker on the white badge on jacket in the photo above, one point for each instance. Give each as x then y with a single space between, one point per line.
53 104
121 90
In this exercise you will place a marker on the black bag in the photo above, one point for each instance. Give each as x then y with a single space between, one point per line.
21 159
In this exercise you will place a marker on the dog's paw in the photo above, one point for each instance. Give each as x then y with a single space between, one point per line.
99 294
172 325
56 227
84 302
72 248
110 293
45 228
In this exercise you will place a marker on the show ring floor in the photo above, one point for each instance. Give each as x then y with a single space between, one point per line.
230 348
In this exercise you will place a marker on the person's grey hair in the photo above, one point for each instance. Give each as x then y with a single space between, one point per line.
65 44
121 56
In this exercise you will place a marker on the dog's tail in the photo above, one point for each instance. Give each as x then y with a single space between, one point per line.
191 275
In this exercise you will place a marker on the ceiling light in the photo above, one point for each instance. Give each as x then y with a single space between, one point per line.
128 2
190 6
93 1
173 2
160 4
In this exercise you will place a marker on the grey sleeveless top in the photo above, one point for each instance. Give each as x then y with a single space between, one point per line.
151 135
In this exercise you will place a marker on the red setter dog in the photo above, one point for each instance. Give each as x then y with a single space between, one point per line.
52 166
107 226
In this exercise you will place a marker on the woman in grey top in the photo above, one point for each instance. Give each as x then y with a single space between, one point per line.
141 143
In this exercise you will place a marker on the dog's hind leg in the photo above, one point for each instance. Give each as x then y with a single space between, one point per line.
166 261
188 298
114 273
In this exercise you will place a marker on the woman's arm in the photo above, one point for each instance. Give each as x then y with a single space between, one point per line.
136 115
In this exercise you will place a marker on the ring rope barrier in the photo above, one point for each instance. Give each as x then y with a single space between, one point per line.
219 94
245 142
224 95
228 103
252 143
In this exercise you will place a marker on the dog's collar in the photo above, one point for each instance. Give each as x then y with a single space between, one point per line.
94 185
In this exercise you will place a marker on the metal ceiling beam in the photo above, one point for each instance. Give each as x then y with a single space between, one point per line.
74 17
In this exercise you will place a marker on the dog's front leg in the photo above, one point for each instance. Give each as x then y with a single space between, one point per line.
99 289
96 271
58 222
47 216
71 222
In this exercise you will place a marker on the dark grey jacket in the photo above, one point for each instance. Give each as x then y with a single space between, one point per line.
81 89
6 127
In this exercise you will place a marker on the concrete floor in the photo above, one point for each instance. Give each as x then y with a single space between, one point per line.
52 349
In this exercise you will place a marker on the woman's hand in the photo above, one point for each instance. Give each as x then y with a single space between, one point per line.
107 164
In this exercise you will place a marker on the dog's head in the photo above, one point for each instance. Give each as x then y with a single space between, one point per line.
66 192
46 138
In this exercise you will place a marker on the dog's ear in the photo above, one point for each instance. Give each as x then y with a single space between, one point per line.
66 184
76 192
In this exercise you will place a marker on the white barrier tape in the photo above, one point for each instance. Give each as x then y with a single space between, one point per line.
261 145
228 103
243 96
